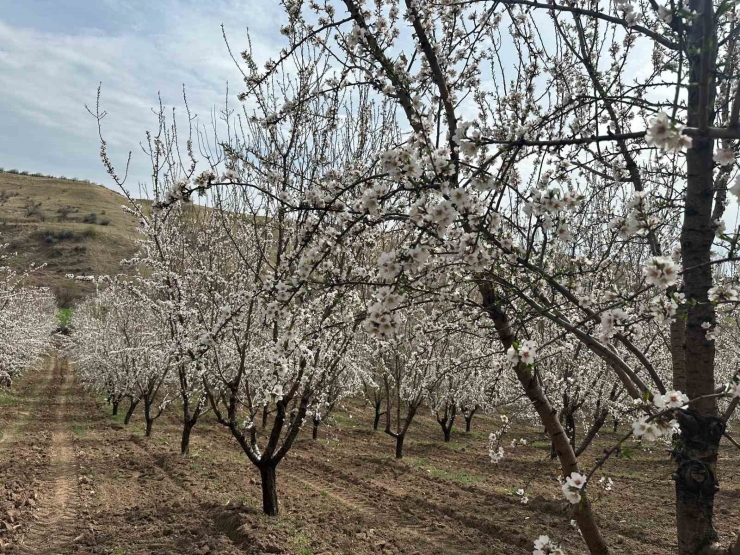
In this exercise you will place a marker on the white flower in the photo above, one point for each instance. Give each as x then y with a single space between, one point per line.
573 486
661 272
564 233
647 430
720 227
573 495
724 156
665 15
734 389
671 400
659 130
512 356
735 189
496 454
632 18
723 293
527 352
576 480
665 134
544 546
277 391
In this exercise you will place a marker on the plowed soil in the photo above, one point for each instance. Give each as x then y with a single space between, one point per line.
74 479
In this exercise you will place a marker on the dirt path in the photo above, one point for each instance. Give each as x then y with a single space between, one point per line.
55 526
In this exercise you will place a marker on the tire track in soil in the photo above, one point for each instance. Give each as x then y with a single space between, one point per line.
381 515
56 520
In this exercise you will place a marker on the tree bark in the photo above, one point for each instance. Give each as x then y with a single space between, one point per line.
591 434
115 407
187 428
378 414
678 356
130 411
469 418
570 428
548 416
696 482
315 432
399 445
148 418
264 417
269 490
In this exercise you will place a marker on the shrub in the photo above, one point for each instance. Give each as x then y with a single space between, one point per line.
91 218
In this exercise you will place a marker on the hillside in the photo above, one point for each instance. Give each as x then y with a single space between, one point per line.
74 227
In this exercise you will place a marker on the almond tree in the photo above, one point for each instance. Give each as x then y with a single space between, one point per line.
534 178
27 323
118 347
488 165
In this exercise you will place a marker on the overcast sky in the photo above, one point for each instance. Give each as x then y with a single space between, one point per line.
53 54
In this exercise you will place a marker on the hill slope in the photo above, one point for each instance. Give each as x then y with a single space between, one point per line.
74 227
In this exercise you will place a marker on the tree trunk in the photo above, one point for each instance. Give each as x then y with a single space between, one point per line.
187 427
678 356
696 482
148 418
570 428
130 411
378 414
269 490
447 433
591 434
115 407
264 417
399 446
582 512
469 418
315 432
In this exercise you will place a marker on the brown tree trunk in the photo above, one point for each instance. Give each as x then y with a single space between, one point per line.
148 418
264 417
468 420
315 432
399 446
678 356
378 414
548 416
570 428
187 428
130 411
269 490
696 482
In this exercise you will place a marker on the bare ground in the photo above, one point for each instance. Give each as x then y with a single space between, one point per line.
77 481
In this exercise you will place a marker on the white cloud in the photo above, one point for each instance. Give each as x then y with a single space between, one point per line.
48 76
